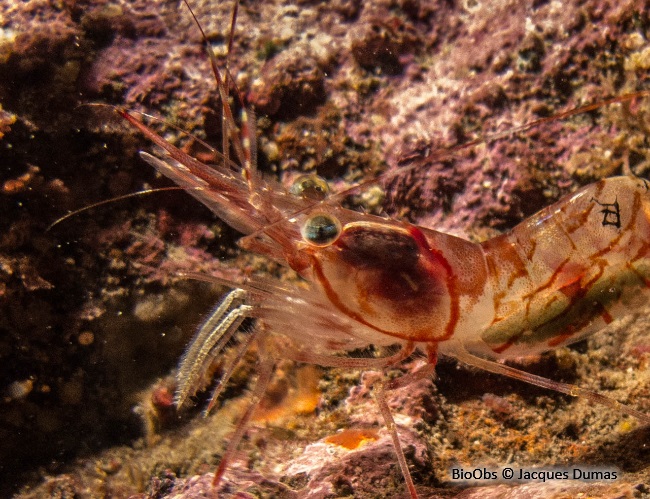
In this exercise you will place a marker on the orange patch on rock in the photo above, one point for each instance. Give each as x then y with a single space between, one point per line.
297 393
352 439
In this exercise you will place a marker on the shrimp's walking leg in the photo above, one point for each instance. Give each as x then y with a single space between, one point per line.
575 391
228 370
380 396
351 362
265 370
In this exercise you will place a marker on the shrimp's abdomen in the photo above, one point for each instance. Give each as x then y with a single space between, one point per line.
569 270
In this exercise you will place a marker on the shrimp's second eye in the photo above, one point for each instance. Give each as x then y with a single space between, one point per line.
321 230
311 187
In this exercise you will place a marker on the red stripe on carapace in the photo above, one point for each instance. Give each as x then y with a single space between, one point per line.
435 256
333 297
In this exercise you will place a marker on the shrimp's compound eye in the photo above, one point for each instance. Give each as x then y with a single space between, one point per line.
321 229
310 186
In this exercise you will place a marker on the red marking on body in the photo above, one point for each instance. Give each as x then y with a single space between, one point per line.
606 316
435 257
506 345
558 340
496 320
394 269
573 289
566 279
502 254
420 336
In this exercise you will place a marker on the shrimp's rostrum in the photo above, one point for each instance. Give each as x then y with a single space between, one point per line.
557 277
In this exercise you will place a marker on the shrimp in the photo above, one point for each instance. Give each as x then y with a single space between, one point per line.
554 279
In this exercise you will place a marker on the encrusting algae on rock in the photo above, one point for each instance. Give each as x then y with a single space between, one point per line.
460 70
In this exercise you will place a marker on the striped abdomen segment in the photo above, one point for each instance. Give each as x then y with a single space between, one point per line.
571 269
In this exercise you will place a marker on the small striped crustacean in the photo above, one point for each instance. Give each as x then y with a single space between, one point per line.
560 275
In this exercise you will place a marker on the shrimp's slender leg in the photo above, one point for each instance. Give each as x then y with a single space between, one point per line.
265 372
575 391
350 362
228 370
380 395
